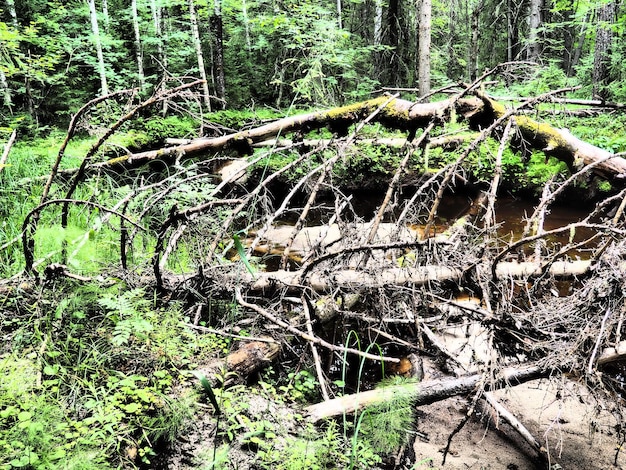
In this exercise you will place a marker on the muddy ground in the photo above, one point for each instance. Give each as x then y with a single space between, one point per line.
576 432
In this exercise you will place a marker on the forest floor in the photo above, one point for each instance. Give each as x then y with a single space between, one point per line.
576 431
577 434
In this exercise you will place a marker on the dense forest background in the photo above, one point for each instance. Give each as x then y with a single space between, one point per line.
56 55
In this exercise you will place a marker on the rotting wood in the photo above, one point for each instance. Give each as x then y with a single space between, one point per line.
562 144
244 361
322 281
424 393
395 113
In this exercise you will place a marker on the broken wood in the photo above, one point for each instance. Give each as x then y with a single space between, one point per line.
424 393
562 144
246 359
322 281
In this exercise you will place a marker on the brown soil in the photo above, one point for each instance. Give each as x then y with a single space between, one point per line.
576 431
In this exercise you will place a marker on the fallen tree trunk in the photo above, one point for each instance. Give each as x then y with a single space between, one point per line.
398 114
563 145
424 393
349 278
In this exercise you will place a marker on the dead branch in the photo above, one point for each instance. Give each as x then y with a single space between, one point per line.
424 393
311 339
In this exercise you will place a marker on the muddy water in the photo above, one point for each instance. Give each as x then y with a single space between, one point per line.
511 214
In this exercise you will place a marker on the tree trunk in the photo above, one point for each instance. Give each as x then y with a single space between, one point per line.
403 114
12 13
393 19
105 14
424 47
581 44
218 53
604 40
104 87
423 393
339 13
138 52
568 39
5 92
161 55
350 278
472 62
378 39
534 46
246 24
195 32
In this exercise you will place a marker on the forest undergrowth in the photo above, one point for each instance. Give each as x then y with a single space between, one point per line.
103 368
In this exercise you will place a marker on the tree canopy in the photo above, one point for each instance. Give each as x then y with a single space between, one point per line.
277 53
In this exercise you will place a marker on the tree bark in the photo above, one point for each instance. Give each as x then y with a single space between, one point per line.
104 87
218 53
604 41
424 47
390 76
424 393
350 278
161 54
472 60
534 46
195 32
138 52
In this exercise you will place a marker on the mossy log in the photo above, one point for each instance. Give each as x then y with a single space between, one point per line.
394 113
562 144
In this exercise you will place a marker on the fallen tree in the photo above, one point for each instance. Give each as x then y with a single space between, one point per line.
395 276
395 113
422 393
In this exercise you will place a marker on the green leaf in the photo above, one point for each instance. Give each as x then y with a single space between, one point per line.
242 254
206 385
24 416
132 407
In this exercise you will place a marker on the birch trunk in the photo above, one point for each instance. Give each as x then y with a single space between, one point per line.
104 87
105 14
161 55
12 13
138 52
339 21
199 54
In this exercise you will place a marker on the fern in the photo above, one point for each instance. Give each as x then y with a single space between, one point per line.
130 314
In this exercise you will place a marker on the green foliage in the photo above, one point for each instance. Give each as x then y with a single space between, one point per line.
386 427
130 314
545 79
317 451
301 387
242 119
36 431
157 128
97 392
